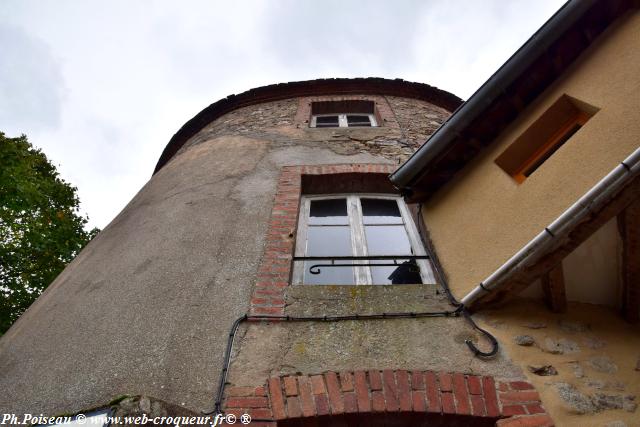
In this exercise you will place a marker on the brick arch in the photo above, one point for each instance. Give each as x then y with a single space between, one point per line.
389 397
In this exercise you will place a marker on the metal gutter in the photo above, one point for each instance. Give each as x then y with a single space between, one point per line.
595 198
515 66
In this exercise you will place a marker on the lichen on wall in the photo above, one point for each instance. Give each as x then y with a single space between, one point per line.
585 363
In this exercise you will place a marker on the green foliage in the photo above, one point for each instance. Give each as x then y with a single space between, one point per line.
41 230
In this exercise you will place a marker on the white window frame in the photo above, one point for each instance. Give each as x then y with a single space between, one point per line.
362 274
342 120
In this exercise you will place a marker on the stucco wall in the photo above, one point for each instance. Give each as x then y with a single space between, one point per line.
437 343
595 353
481 218
145 309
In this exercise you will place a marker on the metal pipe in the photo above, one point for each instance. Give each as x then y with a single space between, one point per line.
591 200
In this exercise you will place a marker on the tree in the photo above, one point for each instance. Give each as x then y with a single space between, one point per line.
41 229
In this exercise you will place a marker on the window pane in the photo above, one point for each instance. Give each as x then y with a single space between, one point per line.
326 121
358 120
329 241
332 211
407 272
380 211
391 240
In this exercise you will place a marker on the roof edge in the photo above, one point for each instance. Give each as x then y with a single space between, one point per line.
276 92
437 145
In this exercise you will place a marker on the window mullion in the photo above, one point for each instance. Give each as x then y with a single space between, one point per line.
363 273
301 241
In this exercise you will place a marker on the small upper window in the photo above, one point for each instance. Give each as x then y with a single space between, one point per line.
340 238
346 113
343 120
544 137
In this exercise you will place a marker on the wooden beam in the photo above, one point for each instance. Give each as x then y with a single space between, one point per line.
629 226
553 288
564 246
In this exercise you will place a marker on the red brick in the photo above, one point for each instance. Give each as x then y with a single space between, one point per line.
293 407
375 380
404 390
475 387
490 398
247 402
350 403
448 407
263 413
477 405
335 395
510 410
260 391
377 401
322 404
362 391
346 380
519 396
306 398
419 401
277 400
417 380
502 386
290 386
446 381
520 385
317 384
462 396
526 421
390 390
433 395
535 409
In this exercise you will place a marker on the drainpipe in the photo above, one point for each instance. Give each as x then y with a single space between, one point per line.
532 251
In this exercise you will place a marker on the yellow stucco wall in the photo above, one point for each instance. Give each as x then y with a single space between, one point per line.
481 218
602 358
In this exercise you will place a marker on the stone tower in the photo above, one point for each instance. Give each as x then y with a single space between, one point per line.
146 308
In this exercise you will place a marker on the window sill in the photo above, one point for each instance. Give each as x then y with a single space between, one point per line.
320 300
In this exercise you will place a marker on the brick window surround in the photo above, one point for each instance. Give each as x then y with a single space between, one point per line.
310 400
274 273
441 398
382 109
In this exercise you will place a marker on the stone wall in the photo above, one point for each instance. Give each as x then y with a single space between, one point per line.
585 363
407 124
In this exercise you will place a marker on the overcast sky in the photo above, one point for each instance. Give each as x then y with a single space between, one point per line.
101 86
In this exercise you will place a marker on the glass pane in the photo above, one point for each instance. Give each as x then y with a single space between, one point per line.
358 120
333 211
329 241
326 121
380 211
391 240
387 240
407 272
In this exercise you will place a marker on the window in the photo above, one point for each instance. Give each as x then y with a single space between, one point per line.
362 225
343 120
544 137
347 113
